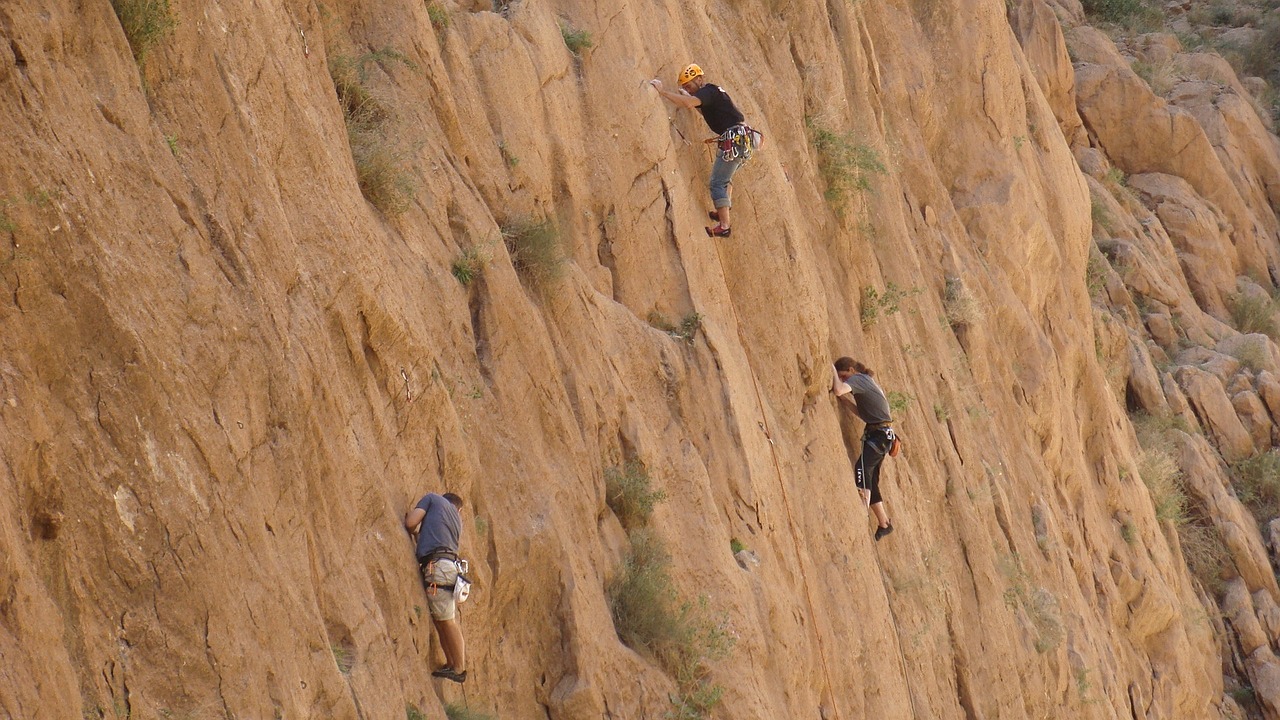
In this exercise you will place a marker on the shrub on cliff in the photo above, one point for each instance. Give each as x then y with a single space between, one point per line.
681 635
454 711
1255 313
575 40
846 165
685 330
382 159
145 23
470 263
1123 12
1257 482
650 613
536 250
961 305
629 493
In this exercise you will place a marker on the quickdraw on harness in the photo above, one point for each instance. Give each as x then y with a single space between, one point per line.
738 142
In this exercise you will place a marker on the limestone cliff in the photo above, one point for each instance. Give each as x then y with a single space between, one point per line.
225 373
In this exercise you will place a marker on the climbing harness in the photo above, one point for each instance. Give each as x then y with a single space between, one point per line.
461 587
739 142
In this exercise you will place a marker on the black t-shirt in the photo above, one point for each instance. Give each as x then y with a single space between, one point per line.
717 109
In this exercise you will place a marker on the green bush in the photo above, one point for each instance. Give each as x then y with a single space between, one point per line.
960 305
536 251
736 546
642 596
876 304
344 658
382 160
411 712
1163 479
469 264
899 401
686 330
1206 554
1121 12
682 636
1257 482
629 493
145 23
1262 57
1128 532
438 15
454 711
846 165
1253 314
1202 546
1039 604
575 40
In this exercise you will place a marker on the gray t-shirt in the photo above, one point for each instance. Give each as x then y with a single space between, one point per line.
873 407
442 526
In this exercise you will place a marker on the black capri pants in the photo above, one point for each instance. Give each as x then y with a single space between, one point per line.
875 445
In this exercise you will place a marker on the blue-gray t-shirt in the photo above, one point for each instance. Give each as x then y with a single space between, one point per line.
441 528
873 406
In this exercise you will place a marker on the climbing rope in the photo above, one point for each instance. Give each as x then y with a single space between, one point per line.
786 501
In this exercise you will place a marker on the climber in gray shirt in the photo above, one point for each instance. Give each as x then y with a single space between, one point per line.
857 389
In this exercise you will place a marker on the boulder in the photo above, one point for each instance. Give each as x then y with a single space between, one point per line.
1264 672
1144 381
1222 366
1092 162
1253 414
1240 382
1157 47
1269 390
1237 606
1210 403
1177 401
1199 233
1268 612
1247 553
1255 350
1160 327
1138 131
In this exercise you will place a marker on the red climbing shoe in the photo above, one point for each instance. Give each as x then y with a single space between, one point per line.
717 231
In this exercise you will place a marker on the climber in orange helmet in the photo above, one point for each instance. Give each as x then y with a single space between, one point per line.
735 141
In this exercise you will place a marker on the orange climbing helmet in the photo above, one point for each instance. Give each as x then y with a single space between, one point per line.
689 73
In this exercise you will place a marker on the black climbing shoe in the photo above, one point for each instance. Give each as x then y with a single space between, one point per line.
881 532
449 673
717 231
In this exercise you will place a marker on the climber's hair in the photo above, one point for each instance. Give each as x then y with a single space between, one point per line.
847 363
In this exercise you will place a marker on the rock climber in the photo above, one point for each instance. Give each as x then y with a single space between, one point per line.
436 524
734 140
855 386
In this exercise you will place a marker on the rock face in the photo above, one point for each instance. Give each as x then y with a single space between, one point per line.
225 374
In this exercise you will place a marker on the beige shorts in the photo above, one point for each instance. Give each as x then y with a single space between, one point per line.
438 577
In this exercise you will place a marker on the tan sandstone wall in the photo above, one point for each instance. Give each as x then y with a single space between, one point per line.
224 375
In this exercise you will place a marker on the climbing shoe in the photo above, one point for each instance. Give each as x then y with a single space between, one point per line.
881 532
717 231
449 673
714 215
